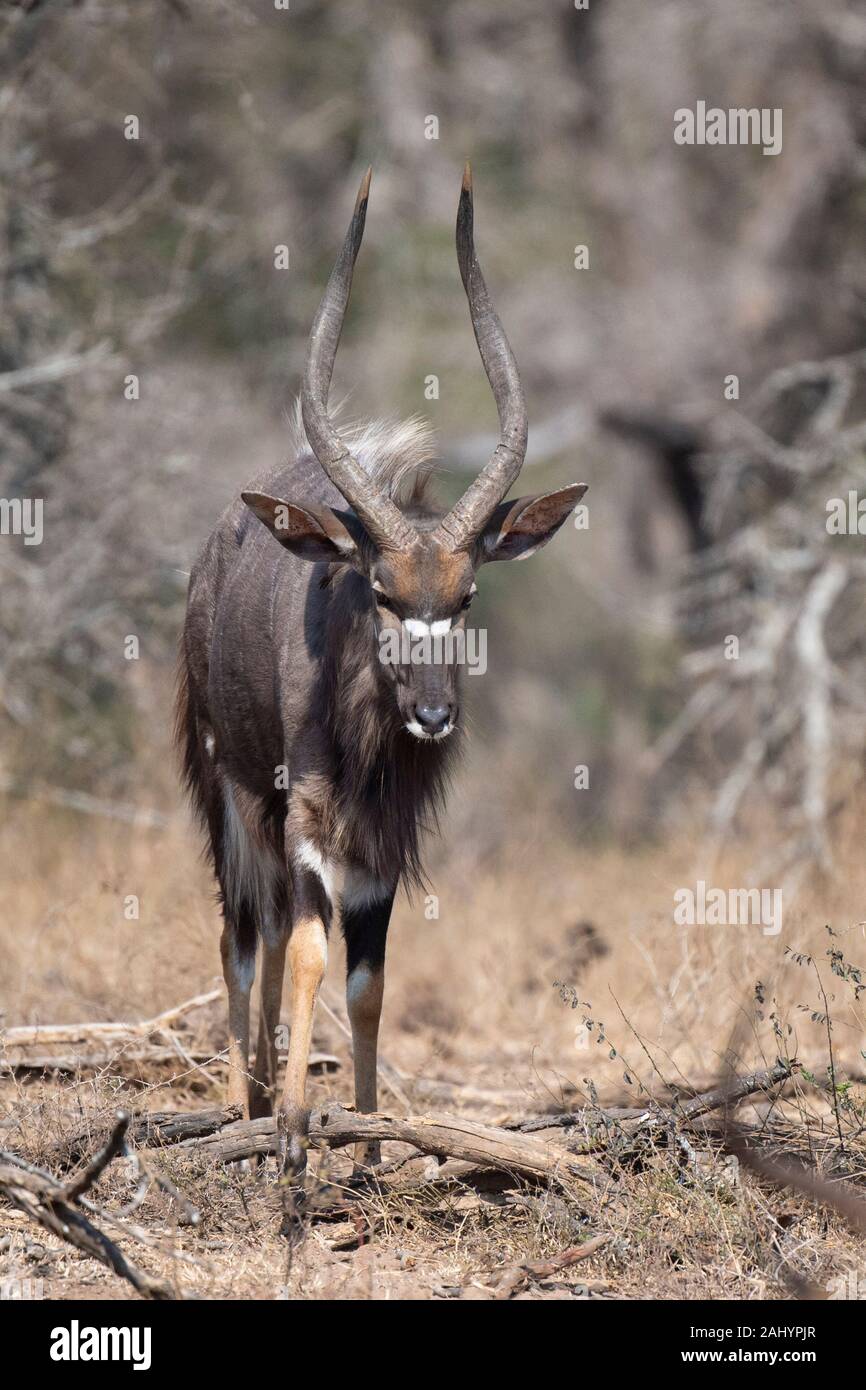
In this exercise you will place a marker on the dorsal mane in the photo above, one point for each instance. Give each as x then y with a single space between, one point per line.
398 454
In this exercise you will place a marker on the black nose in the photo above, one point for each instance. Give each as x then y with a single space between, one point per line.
433 718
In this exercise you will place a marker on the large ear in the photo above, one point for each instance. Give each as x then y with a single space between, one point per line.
312 533
518 528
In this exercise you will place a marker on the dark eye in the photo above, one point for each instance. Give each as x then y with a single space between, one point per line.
467 602
383 601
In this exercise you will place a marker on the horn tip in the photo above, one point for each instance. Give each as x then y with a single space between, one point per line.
467 178
364 190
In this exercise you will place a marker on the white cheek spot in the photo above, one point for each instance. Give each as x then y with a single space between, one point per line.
210 744
311 858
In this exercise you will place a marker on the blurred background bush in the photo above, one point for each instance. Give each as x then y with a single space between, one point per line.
156 257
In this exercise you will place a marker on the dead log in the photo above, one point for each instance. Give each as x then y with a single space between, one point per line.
121 1056
170 1127
67 1034
444 1136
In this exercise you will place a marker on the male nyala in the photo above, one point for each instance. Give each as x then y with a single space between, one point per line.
314 764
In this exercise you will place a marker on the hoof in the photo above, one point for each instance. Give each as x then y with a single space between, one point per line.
292 1227
292 1143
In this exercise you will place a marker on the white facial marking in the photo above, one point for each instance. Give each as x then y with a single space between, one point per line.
416 628
210 744
415 728
311 858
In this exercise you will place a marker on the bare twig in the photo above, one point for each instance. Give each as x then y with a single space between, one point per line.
508 1280
67 1033
54 1207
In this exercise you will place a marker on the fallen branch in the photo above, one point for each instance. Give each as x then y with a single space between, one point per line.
517 1151
513 1277
121 1054
54 1207
444 1136
658 1117
729 1093
70 1033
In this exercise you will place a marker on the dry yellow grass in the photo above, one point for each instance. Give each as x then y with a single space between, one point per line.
471 999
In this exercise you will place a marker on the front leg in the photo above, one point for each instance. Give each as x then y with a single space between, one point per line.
366 911
308 957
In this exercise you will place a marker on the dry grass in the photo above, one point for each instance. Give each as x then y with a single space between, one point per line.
470 999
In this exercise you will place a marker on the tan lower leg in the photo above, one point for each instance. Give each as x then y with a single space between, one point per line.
364 990
265 1070
308 956
238 978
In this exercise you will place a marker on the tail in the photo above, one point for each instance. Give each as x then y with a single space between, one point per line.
186 739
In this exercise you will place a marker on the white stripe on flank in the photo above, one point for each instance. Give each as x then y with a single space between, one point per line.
312 858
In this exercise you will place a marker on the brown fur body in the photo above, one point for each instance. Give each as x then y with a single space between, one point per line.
279 668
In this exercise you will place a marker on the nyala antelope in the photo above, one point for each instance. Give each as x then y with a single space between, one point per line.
306 755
